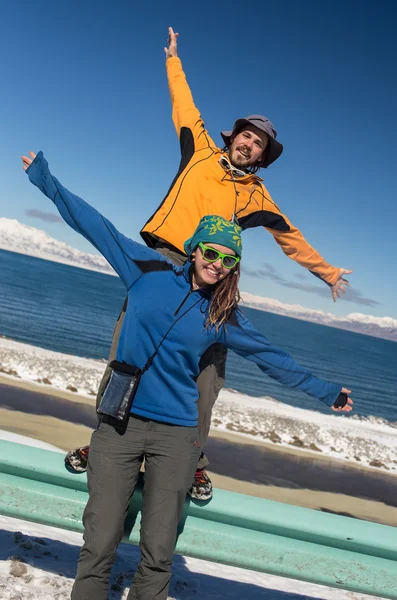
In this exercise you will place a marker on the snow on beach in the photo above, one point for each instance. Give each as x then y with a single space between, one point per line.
62 371
369 441
38 562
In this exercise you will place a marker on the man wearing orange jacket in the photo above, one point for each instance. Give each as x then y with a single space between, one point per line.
222 181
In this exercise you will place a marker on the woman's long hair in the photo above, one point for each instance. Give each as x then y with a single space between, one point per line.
224 300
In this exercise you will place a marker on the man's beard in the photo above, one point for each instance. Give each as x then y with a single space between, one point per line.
239 161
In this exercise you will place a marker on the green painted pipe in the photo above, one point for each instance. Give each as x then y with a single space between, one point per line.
227 507
233 529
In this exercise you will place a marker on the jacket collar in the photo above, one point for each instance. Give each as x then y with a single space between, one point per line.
186 270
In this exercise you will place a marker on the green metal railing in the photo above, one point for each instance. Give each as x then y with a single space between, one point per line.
233 529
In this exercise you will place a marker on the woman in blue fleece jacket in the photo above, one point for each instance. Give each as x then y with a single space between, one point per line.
174 315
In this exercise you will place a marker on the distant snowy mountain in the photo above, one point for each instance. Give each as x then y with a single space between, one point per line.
16 237
382 327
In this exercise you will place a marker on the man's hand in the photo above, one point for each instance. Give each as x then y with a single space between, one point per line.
340 284
26 161
172 49
349 404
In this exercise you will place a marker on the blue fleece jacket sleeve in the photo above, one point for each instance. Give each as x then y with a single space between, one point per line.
120 251
242 337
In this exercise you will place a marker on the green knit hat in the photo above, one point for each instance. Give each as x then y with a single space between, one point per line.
218 231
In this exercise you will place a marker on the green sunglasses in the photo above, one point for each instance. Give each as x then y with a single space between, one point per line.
211 255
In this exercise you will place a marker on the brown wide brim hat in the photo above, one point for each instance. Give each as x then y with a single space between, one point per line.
273 149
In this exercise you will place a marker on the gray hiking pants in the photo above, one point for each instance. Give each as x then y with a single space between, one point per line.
171 453
212 369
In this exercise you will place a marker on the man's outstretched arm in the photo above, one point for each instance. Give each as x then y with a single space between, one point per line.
185 115
295 246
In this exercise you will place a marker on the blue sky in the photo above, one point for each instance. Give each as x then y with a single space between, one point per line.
85 82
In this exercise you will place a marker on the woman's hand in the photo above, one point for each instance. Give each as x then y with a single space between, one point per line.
26 161
172 49
349 403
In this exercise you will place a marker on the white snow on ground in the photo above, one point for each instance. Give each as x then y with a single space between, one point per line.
369 441
7 436
36 365
38 562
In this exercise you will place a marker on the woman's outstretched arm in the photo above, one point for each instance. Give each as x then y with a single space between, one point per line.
242 337
121 252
